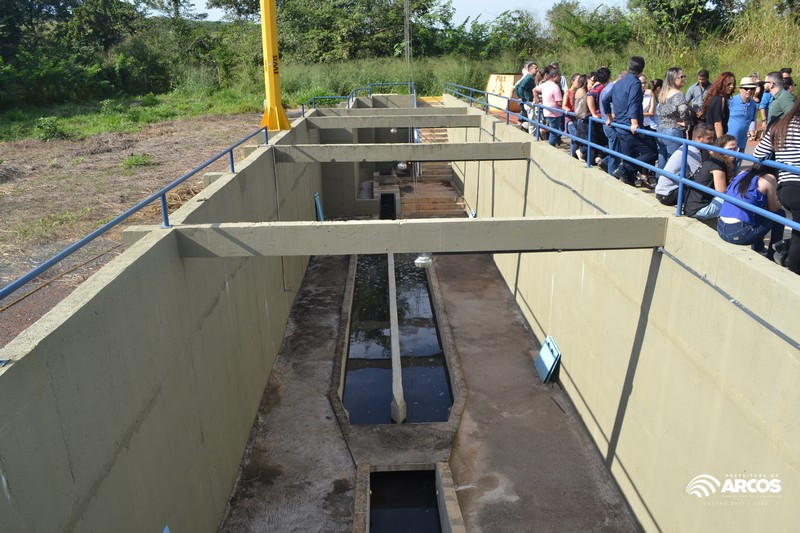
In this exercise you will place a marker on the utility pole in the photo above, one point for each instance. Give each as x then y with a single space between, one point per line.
274 116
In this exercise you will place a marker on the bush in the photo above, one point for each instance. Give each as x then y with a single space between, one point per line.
49 128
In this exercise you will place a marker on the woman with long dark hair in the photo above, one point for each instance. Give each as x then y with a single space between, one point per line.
715 110
582 114
715 173
783 138
740 226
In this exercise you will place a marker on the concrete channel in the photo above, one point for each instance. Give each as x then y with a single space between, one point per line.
512 456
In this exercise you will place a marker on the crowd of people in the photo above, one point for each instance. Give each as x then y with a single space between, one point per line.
712 113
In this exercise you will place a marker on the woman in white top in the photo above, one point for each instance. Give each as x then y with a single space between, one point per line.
650 102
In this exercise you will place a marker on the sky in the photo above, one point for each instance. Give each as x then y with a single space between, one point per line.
468 8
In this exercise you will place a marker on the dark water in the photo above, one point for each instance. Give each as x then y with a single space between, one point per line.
403 502
368 379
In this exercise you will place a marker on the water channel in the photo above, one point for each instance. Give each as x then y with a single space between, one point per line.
368 371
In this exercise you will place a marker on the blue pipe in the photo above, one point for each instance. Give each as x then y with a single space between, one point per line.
318 202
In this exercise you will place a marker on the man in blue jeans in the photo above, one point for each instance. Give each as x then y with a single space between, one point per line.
626 98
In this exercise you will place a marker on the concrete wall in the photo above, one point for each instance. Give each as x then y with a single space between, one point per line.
671 378
128 406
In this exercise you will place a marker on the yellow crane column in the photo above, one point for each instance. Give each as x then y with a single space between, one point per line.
274 116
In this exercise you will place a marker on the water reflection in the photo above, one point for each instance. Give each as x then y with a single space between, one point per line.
368 379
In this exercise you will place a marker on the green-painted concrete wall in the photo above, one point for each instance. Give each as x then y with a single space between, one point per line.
129 405
670 377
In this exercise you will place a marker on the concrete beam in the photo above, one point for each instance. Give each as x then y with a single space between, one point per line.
354 153
397 121
364 112
545 234
398 407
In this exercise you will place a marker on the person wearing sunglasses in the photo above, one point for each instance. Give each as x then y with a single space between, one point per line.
742 112
782 100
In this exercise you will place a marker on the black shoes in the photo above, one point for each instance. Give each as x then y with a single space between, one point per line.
623 176
781 251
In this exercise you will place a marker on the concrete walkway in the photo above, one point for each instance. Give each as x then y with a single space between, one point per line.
522 461
297 473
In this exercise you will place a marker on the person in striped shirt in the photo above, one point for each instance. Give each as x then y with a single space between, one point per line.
783 139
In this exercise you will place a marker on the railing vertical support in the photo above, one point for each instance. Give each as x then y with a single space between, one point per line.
230 155
470 97
538 121
684 158
589 144
318 204
164 211
303 110
266 135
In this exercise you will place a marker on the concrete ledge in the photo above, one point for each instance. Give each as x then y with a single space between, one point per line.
450 517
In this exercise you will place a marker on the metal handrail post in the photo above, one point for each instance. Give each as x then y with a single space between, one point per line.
470 97
589 144
230 155
684 159
266 135
538 121
164 211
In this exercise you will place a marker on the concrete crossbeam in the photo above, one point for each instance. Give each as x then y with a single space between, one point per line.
397 121
424 235
365 112
354 153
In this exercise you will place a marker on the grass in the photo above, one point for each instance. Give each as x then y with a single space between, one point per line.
42 228
138 160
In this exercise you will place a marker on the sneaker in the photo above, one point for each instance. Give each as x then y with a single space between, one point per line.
781 252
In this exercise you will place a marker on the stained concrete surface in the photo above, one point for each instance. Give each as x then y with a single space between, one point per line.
522 461
297 473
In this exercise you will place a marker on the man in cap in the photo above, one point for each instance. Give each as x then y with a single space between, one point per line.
742 109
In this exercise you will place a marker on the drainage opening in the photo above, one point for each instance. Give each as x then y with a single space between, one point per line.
403 501
367 392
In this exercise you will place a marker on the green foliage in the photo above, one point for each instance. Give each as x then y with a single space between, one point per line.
50 129
138 160
602 28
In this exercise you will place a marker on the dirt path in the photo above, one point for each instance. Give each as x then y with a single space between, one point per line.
53 193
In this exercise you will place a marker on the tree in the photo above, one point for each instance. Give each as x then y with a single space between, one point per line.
678 19
104 23
603 28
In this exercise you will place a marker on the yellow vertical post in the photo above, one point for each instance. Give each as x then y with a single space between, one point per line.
274 116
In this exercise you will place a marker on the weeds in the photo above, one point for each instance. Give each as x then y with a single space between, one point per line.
49 129
138 160
43 227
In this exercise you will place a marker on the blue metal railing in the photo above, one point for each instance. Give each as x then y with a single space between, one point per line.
312 103
162 195
681 179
